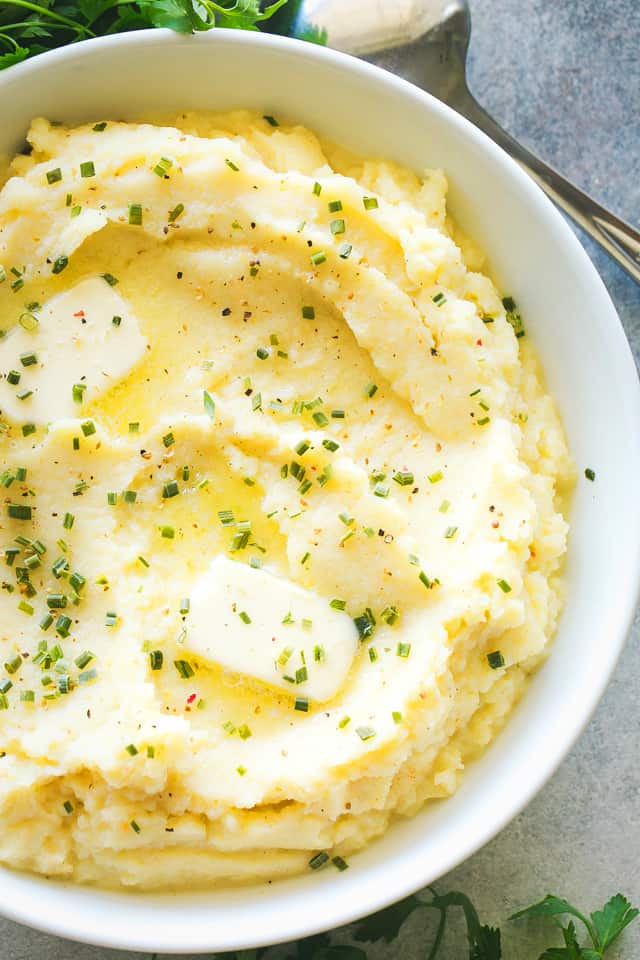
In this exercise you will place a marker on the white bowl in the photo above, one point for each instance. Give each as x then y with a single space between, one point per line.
533 255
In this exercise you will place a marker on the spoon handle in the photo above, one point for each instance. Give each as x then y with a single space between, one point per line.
616 236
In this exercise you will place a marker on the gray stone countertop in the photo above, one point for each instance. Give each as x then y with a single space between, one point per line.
563 76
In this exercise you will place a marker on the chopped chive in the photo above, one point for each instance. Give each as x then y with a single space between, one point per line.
13 377
403 650
439 299
168 439
319 418
337 227
317 189
423 578
116 321
76 210
60 264
110 279
129 496
24 394
110 618
84 659
495 660
135 826
28 358
504 586
365 624
444 506
370 203
56 601
68 806
381 490
373 654
88 427
99 127
270 120
134 426
177 212
77 392
590 474
54 176
112 498
184 668
305 558
135 214
330 445
344 251
338 604
301 675
318 258
344 722
365 733
28 321
319 860
390 615
244 732
209 403
156 659
370 389
244 616
308 313
46 622
19 511
170 489
301 704
334 206
262 353
162 168
435 477
232 165
403 478
340 864
12 666
450 533
63 625
27 696
87 169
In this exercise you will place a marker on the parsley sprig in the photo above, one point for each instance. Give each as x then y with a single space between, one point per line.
602 928
28 28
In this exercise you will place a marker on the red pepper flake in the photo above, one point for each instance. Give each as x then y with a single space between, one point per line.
191 698
478 343
80 313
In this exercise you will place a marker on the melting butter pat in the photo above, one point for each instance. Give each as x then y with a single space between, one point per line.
84 342
260 625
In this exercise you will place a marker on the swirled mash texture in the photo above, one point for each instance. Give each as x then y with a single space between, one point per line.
281 501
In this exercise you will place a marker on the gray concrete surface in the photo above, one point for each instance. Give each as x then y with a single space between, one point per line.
564 77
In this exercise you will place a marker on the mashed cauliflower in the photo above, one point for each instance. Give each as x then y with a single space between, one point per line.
281 522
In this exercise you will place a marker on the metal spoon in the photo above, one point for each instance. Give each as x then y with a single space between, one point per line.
434 37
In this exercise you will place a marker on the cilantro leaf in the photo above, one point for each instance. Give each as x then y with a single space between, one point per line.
39 26
13 56
175 14
610 921
484 941
553 906
385 925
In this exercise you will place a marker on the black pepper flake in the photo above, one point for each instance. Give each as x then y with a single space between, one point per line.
179 274
226 311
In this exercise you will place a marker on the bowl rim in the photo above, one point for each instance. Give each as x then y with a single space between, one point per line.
342 909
